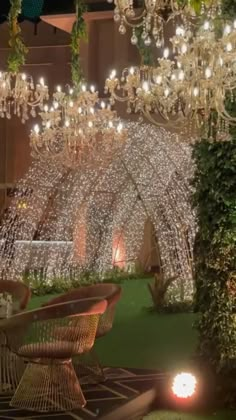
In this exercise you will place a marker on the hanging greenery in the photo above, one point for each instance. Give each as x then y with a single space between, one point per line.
215 253
78 34
16 58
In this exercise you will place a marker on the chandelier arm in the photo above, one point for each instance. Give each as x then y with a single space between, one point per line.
225 116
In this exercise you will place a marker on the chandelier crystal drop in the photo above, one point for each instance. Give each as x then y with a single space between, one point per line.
151 15
191 89
76 127
19 96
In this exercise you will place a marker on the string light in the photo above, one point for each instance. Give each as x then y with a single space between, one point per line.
79 214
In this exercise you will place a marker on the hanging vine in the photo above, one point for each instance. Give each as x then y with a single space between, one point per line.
78 34
16 58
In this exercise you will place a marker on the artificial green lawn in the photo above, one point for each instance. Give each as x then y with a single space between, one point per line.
143 339
170 415
140 338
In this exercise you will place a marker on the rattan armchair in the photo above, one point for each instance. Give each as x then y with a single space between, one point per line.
11 367
49 382
91 367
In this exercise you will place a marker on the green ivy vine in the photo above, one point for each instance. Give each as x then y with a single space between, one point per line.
78 34
16 58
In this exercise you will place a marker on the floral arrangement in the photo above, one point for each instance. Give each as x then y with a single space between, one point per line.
6 305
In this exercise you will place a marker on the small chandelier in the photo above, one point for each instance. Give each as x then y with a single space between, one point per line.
189 90
19 96
150 16
18 93
77 129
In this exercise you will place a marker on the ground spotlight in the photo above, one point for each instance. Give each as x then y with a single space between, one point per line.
184 385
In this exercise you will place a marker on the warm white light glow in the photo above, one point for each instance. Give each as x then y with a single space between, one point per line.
166 53
184 385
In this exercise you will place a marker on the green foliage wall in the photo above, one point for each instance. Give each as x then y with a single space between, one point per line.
215 255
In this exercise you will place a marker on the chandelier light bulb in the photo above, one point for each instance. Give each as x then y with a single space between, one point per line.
79 110
120 127
23 76
71 91
48 124
55 104
92 88
113 74
110 124
145 86
58 88
71 104
103 105
45 108
41 81
227 29
229 47
90 124
206 25
166 92
91 110
180 31
184 48
67 123
221 61
36 129
181 75
158 79
83 88
166 53
131 70
208 73
195 91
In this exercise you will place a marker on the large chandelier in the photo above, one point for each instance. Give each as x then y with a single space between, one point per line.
77 129
190 89
18 94
150 16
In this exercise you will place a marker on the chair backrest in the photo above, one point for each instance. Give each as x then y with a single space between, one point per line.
18 290
56 331
109 291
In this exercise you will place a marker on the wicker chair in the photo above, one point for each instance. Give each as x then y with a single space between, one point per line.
49 382
20 293
11 367
91 367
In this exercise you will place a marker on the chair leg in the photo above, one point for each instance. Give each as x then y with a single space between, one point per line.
11 369
49 387
88 368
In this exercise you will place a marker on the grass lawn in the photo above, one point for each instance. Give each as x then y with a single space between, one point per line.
170 415
142 339
148 340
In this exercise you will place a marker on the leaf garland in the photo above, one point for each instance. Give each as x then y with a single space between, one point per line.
78 34
16 58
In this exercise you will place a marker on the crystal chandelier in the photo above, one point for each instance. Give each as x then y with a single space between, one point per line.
189 90
19 96
18 93
150 16
77 129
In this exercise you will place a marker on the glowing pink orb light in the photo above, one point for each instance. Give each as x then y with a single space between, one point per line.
184 385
